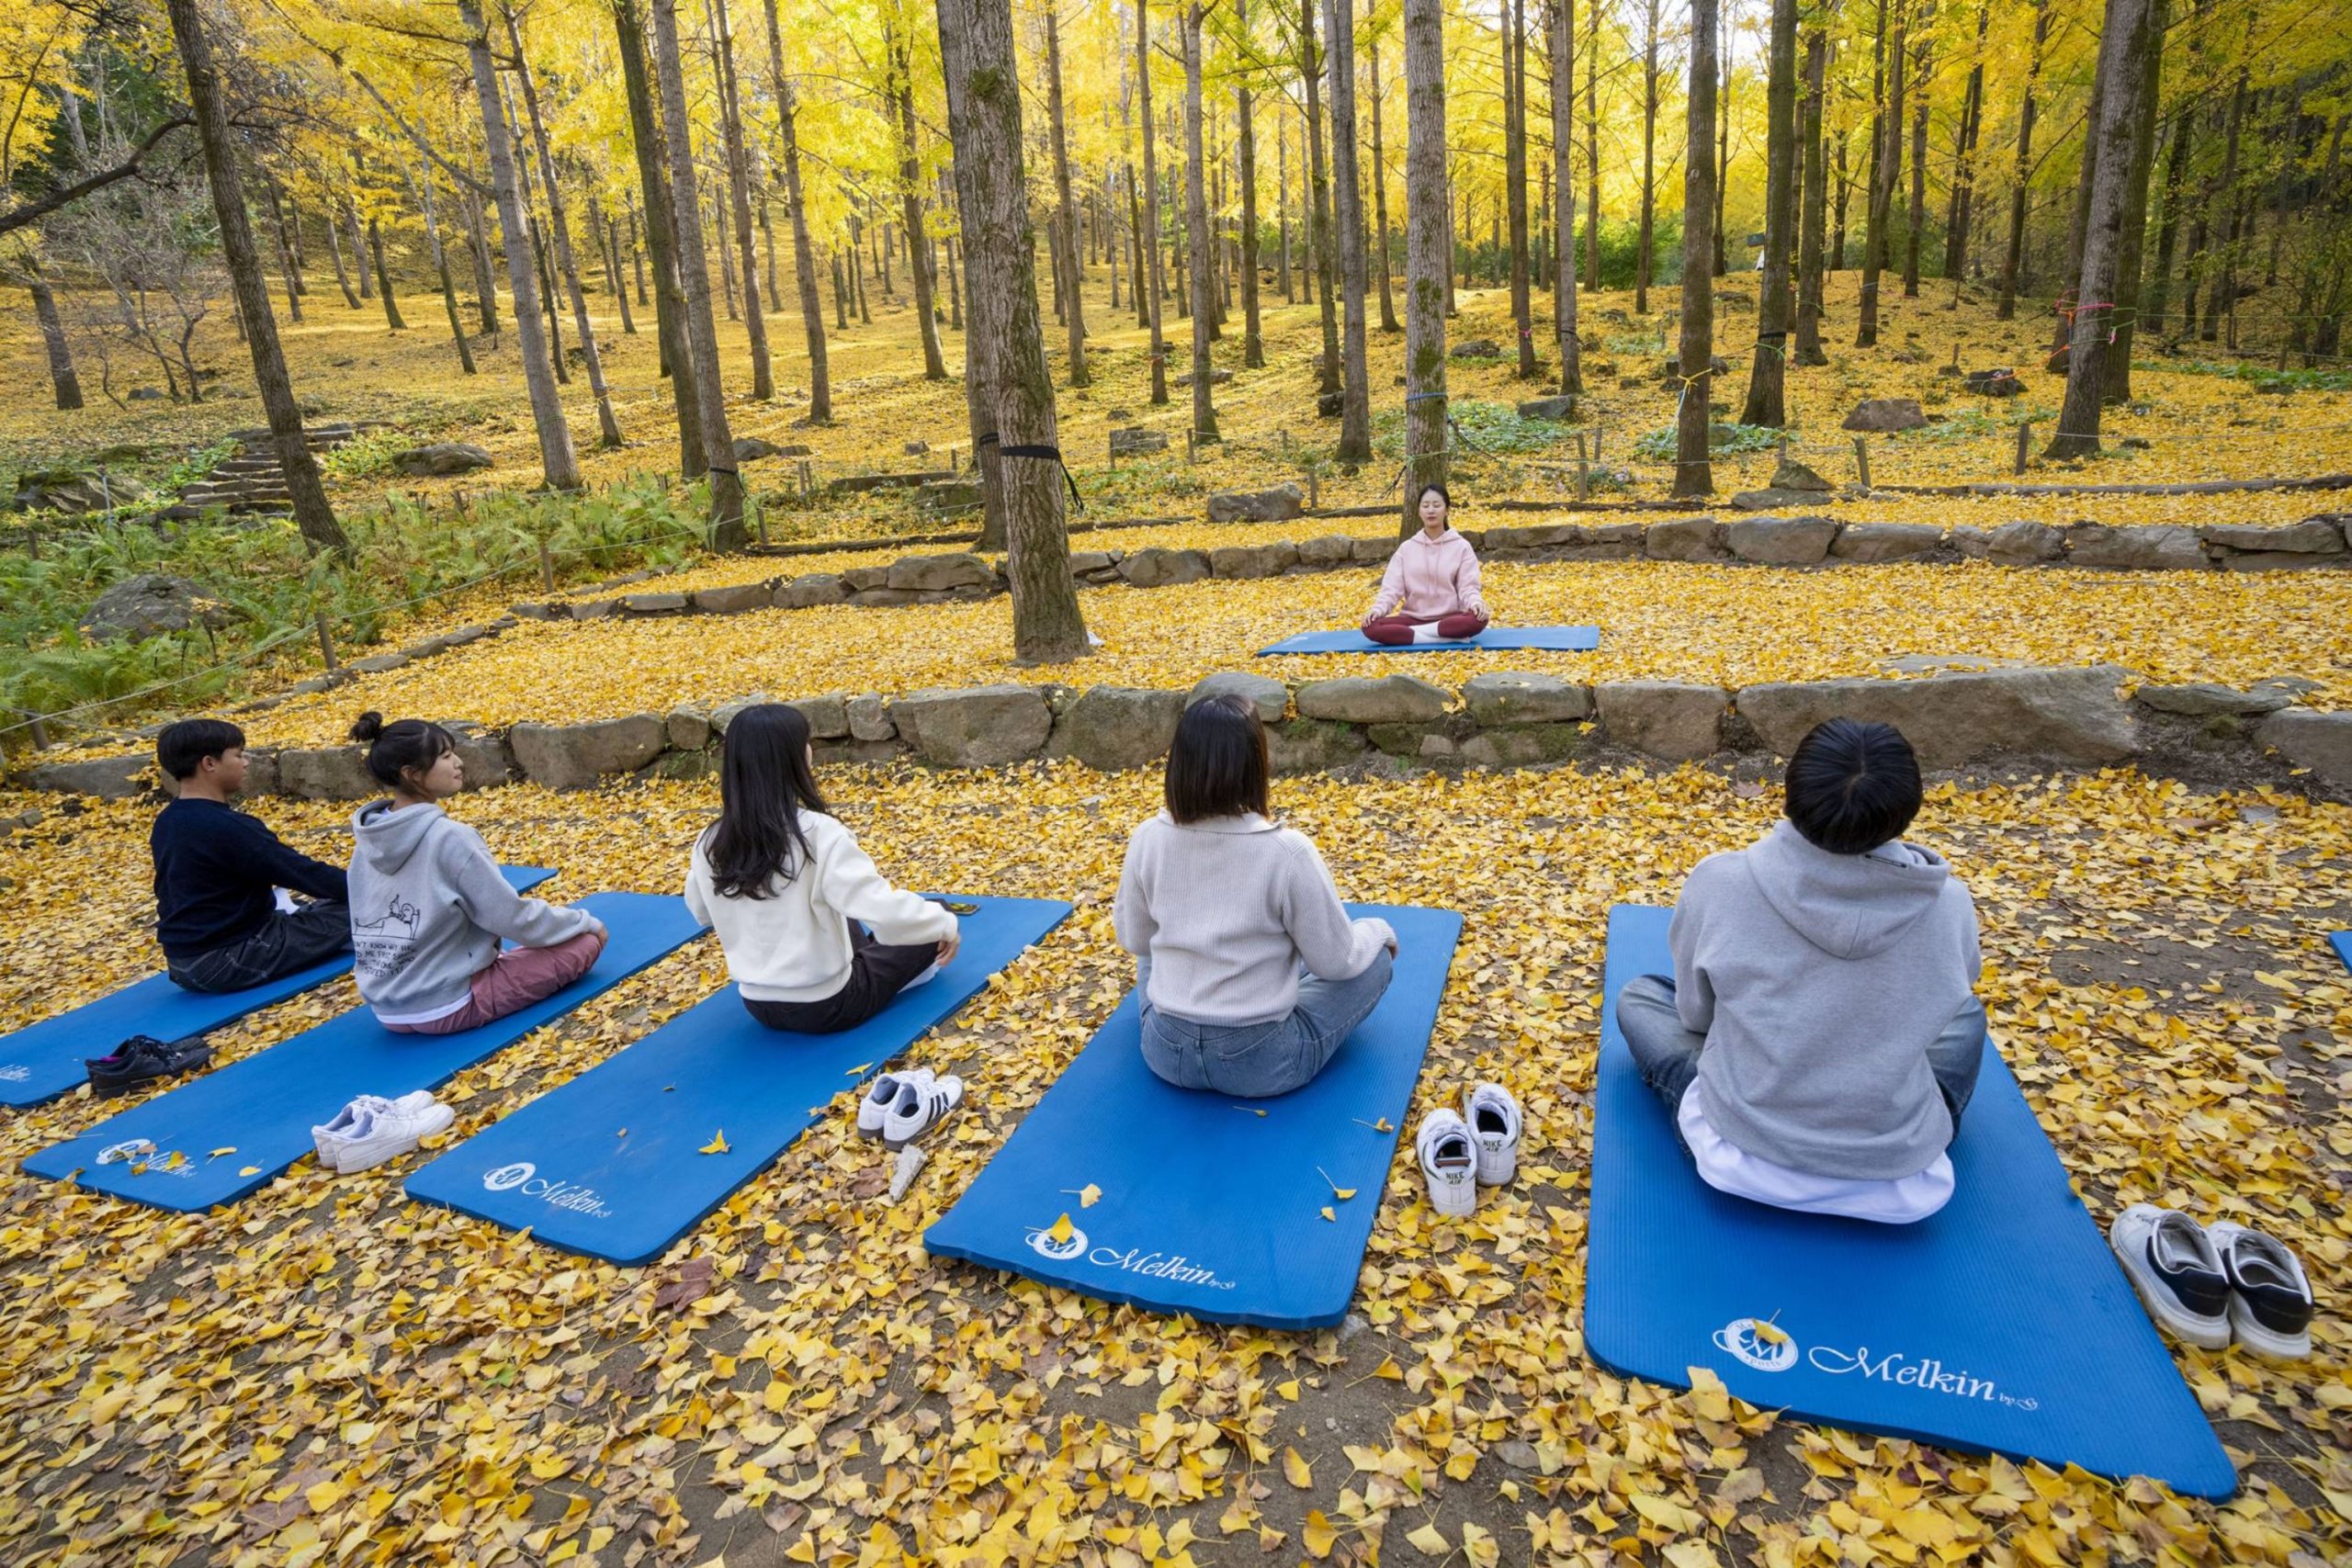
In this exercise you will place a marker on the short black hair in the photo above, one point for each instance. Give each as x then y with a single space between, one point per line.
396 749
1217 764
181 749
1852 786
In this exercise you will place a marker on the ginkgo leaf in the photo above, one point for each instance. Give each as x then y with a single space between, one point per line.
1297 1471
1061 1230
1327 1213
717 1144
224 1149
1480 1547
175 1160
1088 1195
1429 1542
1318 1535
249 1170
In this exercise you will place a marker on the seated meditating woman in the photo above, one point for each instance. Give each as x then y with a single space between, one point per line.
1431 588
1251 969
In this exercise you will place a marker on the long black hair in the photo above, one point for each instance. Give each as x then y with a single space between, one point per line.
1217 764
764 784
396 750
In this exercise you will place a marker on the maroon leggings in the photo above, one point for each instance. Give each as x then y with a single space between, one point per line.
1397 630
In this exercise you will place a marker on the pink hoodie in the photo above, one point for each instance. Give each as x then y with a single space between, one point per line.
1431 577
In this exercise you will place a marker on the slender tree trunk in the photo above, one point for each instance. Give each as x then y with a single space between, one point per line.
1066 218
728 532
1429 239
2122 35
1963 162
1885 128
63 382
1522 304
736 199
392 320
804 253
1817 203
1694 473
2087 177
1845 186
1898 59
1253 339
421 187
1592 144
2022 174
2158 294
1355 391
1919 221
911 208
1282 183
1148 232
478 241
290 279
1723 151
1196 231
1389 322
1310 65
2219 270
590 358
359 250
1767 372
636 251
1561 22
609 236
984 121
342 273
1643 256
2148 62
660 229
312 515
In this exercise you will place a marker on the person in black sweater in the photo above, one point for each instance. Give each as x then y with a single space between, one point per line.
217 871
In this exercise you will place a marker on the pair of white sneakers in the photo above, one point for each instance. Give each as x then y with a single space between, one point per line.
902 1106
1475 1146
371 1130
2213 1283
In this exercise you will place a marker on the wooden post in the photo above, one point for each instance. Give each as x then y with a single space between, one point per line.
2024 443
1314 490
547 567
1862 459
1111 455
39 731
1191 445
760 513
1285 440
326 643
1584 471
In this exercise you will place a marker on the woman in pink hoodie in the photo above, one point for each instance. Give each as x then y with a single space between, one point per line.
1431 583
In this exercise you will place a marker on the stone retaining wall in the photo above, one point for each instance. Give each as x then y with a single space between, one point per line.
2070 716
2317 542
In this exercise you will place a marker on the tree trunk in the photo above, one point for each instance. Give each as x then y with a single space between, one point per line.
1919 221
737 197
1319 175
1963 162
2022 175
1380 195
1722 152
1592 144
984 121
1561 22
1201 277
1428 240
1642 255
804 252
1147 277
608 428
2087 177
421 187
2158 293
478 241
1816 204
636 251
1282 185
1766 380
910 207
1884 128
1513 21
392 320
63 380
342 273
2219 275
2148 62
728 532
312 515
556 459
1694 473
1356 382
660 229
1066 221
359 250
2122 36
291 279
1253 341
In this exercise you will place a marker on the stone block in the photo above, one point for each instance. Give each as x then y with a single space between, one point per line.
1157 567
2166 547
1522 745
654 603
1666 719
1514 697
326 773
1363 699
2204 699
1886 414
1113 728
1310 746
1265 694
2010 544
108 778
1327 550
2069 716
986 726
734 598
1868 543
1253 560
1685 538
2318 742
869 718
1275 505
595 609
813 589
574 756
828 716
1781 541
1375 549
689 729
1555 409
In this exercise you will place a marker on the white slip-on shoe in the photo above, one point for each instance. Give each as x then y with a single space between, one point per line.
329 1138
2176 1271
919 1108
390 1133
2270 1297
1495 1124
1449 1161
874 1105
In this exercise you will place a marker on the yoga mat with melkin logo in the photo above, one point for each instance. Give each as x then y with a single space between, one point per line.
1121 1186
1555 640
629 1155
2001 1325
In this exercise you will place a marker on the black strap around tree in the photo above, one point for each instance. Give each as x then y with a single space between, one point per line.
1051 453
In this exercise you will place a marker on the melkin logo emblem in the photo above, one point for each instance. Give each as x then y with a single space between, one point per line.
1063 1241
1060 1241
1762 1344
509 1176
524 1175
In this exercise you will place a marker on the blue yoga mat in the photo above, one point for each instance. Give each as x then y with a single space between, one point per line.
1210 1205
264 1106
1559 639
43 1060
2342 941
2002 1324
611 1164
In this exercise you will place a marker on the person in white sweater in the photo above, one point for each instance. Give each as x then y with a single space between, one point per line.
816 939
1251 971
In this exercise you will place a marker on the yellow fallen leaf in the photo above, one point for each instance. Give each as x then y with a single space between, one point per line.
1288 1390
249 1170
323 1496
225 1149
717 1144
1480 1547
547 1467
1297 1471
1430 1541
1327 1215
178 1160
1319 1536
1343 1193
1088 1195
1061 1230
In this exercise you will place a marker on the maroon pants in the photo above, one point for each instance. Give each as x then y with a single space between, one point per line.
515 979
1397 630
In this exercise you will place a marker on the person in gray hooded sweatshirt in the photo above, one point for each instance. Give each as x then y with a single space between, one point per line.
428 906
1820 1035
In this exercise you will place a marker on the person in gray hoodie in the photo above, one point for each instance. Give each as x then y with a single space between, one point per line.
1820 1035
428 906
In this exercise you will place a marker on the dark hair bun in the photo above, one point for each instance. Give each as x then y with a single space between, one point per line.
369 726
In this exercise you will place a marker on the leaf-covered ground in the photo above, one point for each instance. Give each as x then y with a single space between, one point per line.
326 1373
1728 625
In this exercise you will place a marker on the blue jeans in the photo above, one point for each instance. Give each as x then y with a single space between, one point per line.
1254 1061
1668 1054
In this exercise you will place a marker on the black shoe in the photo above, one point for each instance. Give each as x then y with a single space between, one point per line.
143 1058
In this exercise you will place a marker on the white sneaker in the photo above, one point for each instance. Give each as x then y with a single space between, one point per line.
329 1138
874 1106
1494 1120
2270 1297
390 1133
2178 1274
919 1108
1449 1161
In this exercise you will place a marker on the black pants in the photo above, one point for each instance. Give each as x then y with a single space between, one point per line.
877 972
285 944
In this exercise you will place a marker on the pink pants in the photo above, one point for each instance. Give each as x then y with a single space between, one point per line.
1397 630
516 979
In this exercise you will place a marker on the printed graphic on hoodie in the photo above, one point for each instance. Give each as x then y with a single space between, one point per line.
386 945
